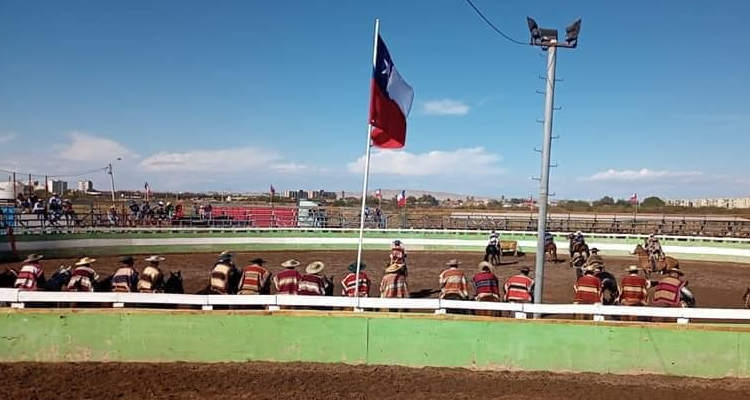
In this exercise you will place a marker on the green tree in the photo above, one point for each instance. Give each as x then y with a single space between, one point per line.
652 202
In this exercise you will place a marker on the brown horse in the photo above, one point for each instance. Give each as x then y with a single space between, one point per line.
578 248
662 264
746 297
550 249
488 313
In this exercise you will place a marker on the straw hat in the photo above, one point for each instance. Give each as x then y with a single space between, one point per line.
33 257
85 261
393 268
315 267
353 267
589 268
290 263
632 268
483 264
155 258
453 263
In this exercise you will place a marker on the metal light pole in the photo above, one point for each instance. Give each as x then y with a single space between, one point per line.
547 39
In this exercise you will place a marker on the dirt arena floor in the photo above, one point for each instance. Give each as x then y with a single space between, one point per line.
186 381
715 284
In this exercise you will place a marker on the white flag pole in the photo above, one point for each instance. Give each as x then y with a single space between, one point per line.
367 173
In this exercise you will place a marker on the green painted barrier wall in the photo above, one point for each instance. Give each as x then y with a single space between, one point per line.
410 340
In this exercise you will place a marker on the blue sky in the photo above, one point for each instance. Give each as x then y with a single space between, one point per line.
239 95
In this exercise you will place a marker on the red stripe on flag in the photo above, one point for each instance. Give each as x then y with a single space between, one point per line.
387 120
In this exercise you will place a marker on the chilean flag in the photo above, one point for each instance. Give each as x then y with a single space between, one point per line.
401 199
634 198
390 102
378 194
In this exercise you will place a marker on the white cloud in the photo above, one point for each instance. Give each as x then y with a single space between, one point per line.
445 107
294 168
239 159
7 137
643 175
89 148
474 161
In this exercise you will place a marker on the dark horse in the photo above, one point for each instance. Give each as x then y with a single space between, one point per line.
173 284
609 288
492 254
59 279
8 278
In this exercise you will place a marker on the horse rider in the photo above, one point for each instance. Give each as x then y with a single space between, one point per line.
31 275
595 259
452 281
667 293
255 278
398 252
351 281
125 279
313 283
287 281
633 288
576 238
519 288
548 238
393 284
588 288
494 238
222 273
151 279
83 276
655 252
485 283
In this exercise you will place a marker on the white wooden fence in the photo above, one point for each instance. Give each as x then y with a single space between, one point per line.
18 299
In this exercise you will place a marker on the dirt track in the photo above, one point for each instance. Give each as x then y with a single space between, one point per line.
335 381
714 284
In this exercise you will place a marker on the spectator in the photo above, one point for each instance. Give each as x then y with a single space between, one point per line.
209 210
170 210
39 210
68 212
23 203
112 216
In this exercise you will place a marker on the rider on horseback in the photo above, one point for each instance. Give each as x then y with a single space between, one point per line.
222 274
494 238
655 252
548 238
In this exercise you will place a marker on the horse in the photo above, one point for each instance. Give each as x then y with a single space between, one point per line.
8 278
59 279
746 298
662 264
330 286
488 313
104 284
550 249
609 288
578 262
492 254
173 284
578 247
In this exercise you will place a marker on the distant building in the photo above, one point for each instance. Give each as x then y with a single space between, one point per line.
309 195
85 186
57 186
740 202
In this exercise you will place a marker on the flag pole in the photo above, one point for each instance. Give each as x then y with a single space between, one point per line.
367 173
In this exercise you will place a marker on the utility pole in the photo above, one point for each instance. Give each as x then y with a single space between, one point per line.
111 182
547 39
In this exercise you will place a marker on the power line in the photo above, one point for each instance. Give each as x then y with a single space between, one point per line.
72 175
495 28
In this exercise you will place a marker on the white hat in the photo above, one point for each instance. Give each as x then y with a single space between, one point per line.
85 261
290 263
155 258
315 267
